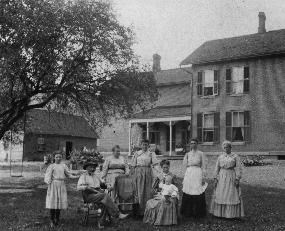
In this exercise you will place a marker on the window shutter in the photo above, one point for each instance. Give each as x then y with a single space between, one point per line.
216 81
246 79
228 81
247 131
200 127
229 126
217 127
200 84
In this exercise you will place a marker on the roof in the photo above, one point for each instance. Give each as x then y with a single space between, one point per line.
174 95
247 46
55 123
164 112
173 76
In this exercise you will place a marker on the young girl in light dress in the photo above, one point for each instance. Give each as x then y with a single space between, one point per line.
168 189
56 198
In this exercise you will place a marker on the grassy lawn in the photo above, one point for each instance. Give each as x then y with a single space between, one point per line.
22 203
264 209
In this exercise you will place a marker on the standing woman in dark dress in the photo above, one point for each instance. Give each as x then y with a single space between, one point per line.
193 199
142 162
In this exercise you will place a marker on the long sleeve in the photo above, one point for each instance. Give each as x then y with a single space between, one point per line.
174 180
238 168
81 185
48 174
217 168
185 159
154 160
204 165
134 160
67 172
105 168
127 168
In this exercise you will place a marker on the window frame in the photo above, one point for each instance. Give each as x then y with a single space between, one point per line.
246 126
201 83
215 129
245 81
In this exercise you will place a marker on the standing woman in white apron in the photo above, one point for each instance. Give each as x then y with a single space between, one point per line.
193 198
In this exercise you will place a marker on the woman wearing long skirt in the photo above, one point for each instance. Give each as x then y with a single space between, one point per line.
227 201
142 163
193 198
114 166
56 198
157 211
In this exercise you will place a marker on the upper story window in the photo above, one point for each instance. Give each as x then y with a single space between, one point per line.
237 80
208 83
208 126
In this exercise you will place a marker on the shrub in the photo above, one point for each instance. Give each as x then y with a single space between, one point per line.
256 160
83 156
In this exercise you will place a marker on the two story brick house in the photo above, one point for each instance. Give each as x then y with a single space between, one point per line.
239 92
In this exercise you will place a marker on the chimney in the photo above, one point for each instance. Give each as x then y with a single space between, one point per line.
261 26
156 63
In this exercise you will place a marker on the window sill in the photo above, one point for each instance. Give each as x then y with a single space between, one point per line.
238 95
208 144
208 97
238 143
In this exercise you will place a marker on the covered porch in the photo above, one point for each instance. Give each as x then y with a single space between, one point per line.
167 136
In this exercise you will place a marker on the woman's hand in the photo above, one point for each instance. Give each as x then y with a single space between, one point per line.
237 183
215 182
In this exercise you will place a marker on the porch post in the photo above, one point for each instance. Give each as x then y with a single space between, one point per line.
170 138
147 130
130 137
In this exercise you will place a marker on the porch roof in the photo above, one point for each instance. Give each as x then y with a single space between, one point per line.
158 113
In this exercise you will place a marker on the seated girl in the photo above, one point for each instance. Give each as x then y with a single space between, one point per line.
163 208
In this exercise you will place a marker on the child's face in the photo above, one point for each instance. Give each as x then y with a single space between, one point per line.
58 158
168 180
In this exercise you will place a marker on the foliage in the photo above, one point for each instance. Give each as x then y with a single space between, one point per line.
83 156
256 160
68 55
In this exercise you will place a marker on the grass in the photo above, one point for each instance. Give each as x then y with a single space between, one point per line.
264 209
263 190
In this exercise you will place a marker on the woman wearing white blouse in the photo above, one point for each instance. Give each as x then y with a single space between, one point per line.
227 201
193 198
142 163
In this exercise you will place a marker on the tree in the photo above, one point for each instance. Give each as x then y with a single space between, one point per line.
68 55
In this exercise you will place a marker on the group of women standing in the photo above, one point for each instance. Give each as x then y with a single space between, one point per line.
158 197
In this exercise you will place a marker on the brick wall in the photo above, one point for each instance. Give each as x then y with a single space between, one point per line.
265 101
118 133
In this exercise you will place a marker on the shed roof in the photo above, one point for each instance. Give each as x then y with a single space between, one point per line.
55 123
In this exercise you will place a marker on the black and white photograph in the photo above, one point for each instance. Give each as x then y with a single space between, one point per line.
142 115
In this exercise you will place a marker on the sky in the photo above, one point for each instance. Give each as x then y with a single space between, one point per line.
175 28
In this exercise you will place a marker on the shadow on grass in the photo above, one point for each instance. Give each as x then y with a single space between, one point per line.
264 208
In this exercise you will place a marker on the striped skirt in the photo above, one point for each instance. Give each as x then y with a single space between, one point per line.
56 195
158 212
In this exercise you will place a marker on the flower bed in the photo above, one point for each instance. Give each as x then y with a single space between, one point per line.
79 158
257 160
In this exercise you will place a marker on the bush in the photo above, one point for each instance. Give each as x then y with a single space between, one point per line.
257 160
83 156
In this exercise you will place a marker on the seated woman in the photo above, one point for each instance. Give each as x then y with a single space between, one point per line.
90 185
114 166
163 209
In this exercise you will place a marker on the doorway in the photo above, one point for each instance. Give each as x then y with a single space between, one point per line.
68 149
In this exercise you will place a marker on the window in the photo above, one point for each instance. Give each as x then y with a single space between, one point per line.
237 80
154 137
208 125
207 84
238 126
41 144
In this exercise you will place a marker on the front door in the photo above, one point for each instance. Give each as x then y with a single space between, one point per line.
68 149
